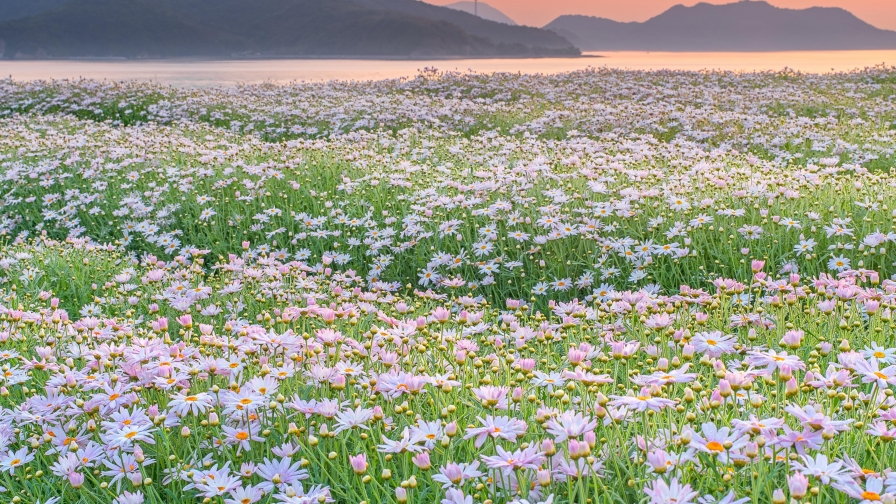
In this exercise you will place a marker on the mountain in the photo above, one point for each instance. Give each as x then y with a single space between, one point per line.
476 26
740 26
15 9
273 28
484 10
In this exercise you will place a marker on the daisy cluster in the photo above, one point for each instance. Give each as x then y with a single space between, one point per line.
648 180
600 286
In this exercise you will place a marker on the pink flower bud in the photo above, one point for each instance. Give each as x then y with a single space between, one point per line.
422 461
76 479
358 463
798 485
544 477
725 388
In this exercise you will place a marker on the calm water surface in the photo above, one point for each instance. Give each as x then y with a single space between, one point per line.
218 73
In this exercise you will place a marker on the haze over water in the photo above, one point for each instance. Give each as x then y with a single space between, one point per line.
192 73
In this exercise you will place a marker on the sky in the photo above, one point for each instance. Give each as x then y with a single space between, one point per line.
880 13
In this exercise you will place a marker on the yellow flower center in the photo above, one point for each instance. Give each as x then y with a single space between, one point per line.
715 446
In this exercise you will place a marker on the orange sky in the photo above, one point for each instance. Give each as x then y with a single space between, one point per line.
881 13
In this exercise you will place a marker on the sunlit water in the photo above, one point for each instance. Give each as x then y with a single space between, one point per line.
190 73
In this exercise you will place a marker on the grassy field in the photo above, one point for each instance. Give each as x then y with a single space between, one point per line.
593 287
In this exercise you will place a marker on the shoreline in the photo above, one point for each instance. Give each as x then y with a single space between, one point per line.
199 72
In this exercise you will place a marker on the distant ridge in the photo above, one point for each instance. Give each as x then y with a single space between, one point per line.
476 26
740 26
16 9
484 10
261 28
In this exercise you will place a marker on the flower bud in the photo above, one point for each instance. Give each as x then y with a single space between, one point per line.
798 485
422 461
358 463
778 497
76 479
544 477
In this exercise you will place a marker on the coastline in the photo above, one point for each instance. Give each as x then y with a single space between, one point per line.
197 72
